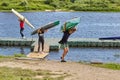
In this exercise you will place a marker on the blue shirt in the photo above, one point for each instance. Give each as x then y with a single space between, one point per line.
65 37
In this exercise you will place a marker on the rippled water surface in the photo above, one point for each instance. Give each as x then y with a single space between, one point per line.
92 25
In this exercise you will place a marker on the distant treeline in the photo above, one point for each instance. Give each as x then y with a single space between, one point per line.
64 5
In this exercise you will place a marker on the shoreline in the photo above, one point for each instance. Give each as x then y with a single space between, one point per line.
57 10
70 70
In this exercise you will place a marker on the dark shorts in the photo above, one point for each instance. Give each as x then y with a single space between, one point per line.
65 45
21 29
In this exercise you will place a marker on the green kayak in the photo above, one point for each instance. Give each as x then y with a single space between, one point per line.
70 24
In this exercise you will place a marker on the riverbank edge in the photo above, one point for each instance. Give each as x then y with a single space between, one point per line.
112 66
57 10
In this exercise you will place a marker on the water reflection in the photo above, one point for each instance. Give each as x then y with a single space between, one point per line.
22 50
4 50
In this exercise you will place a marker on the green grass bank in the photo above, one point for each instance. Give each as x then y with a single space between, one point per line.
60 5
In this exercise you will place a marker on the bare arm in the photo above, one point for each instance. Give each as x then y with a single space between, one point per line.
45 30
39 31
72 30
64 27
23 19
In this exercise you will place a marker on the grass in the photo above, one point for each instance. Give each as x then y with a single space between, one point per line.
10 58
7 73
16 74
13 56
77 5
112 66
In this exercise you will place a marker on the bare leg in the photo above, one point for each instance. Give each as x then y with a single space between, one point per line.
65 52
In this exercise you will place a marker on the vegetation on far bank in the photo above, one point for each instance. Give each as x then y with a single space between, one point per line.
64 5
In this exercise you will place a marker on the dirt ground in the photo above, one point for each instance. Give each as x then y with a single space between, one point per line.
76 71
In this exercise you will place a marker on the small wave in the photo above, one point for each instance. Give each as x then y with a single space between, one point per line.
106 24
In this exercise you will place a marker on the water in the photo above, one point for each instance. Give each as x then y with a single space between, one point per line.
14 50
92 25
89 54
